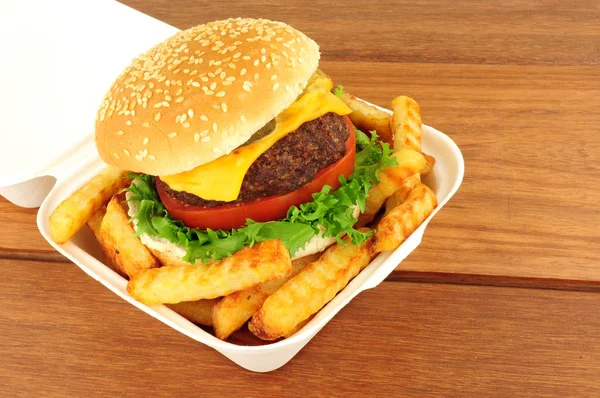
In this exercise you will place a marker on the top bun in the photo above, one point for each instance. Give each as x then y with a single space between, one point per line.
202 93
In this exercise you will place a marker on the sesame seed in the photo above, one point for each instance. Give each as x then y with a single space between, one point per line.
243 118
227 83
214 127
126 152
263 50
256 76
246 88
222 75
256 62
224 107
128 123
275 86
168 97
120 132
197 137
213 86
209 92
145 124
203 117
151 157
116 155
246 58
157 117
186 125
269 65
182 118
172 135
203 133
205 139
190 113
195 84
158 105
274 77
204 79
288 88
180 99
263 58
145 142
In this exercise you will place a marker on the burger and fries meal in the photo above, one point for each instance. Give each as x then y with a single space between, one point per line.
242 186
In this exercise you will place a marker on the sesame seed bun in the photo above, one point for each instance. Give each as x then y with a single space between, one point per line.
202 93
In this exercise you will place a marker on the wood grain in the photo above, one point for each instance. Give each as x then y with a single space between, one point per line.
427 31
528 204
63 334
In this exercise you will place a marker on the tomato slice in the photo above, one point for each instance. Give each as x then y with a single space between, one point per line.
269 208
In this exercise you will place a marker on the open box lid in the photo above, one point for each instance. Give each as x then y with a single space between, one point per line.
60 59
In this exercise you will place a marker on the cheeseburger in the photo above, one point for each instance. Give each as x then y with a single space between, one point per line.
234 136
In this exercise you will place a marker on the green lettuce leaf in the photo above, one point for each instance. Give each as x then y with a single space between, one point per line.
330 213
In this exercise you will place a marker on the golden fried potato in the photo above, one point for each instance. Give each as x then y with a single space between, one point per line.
367 117
406 123
95 221
248 267
408 184
410 162
307 292
401 221
429 166
120 244
94 224
199 311
234 310
73 212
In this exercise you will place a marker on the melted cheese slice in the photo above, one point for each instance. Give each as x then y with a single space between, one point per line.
222 178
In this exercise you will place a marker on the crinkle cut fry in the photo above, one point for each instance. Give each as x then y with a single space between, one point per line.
232 312
410 162
73 212
248 267
310 290
120 244
401 221
406 123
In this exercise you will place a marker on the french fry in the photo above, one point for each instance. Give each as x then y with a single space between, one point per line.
234 310
72 213
408 184
120 244
406 123
250 266
402 220
390 179
94 224
367 117
307 292
297 328
198 311
429 166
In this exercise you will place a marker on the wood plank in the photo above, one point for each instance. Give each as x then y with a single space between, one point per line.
528 203
19 236
432 31
63 334
527 206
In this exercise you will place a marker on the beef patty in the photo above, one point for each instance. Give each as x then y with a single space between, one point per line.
291 163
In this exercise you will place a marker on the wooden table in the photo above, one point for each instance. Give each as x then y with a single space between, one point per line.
501 298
